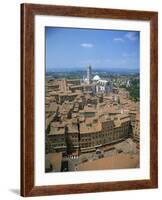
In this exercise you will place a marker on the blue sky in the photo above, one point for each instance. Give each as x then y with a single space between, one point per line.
72 48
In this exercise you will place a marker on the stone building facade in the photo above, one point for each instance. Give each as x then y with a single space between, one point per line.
92 133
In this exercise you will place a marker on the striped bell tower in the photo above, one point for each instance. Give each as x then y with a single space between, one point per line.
89 74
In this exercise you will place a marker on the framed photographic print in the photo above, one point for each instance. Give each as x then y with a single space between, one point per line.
88 99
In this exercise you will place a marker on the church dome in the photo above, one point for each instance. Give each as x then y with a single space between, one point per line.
96 78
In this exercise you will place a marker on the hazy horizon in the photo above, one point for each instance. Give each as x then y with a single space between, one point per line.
93 70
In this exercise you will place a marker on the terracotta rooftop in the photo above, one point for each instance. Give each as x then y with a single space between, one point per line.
57 128
89 109
57 131
72 128
90 127
53 107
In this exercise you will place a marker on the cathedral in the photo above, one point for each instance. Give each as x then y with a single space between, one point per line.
101 85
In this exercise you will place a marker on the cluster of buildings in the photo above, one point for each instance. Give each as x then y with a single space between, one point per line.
98 84
83 115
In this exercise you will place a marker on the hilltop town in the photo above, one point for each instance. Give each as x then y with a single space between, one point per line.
91 124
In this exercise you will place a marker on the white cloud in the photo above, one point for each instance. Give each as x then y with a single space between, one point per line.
131 36
118 39
87 45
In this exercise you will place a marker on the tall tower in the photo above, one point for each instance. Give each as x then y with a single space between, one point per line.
89 74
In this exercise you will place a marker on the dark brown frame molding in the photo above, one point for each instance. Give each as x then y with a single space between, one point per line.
28 11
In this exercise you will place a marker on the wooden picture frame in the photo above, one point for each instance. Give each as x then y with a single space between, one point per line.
28 12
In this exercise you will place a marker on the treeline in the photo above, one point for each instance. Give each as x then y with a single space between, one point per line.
134 90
